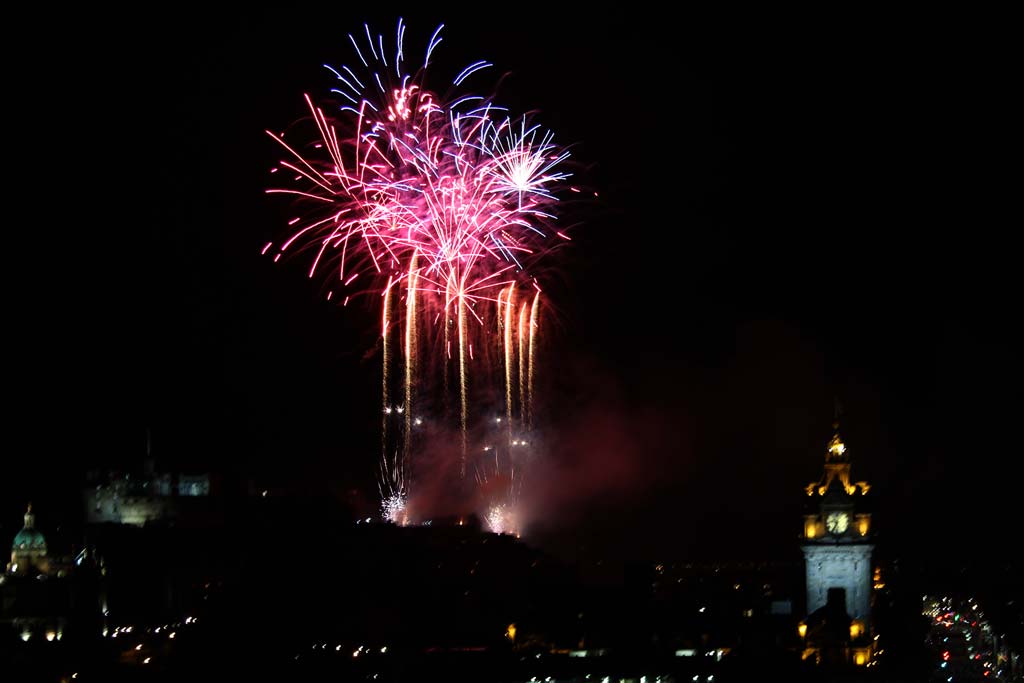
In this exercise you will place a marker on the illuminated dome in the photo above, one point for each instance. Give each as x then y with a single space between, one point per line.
29 538
28 551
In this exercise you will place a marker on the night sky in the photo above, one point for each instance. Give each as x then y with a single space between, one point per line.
790 212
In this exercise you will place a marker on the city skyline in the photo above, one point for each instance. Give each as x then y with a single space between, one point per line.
824 228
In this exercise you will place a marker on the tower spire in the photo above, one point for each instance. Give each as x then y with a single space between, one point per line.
836 447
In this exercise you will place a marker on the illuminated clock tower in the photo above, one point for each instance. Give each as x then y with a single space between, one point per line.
837 539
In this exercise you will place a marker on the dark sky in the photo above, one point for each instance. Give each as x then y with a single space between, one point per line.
792 210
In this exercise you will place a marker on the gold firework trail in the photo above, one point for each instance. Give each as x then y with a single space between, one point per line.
462 379
508 356
530 363
522 362
410 356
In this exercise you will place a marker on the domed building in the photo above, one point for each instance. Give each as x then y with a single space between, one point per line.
28 551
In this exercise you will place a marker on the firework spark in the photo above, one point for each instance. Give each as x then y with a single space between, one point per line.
393 509
502 519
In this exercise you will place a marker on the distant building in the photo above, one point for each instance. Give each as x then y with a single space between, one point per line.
837 549
120 498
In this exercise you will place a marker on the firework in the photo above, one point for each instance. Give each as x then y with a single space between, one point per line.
502 519
447 201
393 510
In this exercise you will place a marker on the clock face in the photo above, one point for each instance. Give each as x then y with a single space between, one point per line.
837 522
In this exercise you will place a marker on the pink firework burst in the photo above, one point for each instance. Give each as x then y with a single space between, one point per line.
445 202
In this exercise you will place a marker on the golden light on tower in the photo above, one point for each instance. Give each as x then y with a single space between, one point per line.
863 523
811 526
856 629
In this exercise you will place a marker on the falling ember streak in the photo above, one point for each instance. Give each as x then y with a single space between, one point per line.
385 470
410 355
447 353
508 357
530 365
463 412
522 362
265 248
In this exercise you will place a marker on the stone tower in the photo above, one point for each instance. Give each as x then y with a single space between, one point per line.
837 537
